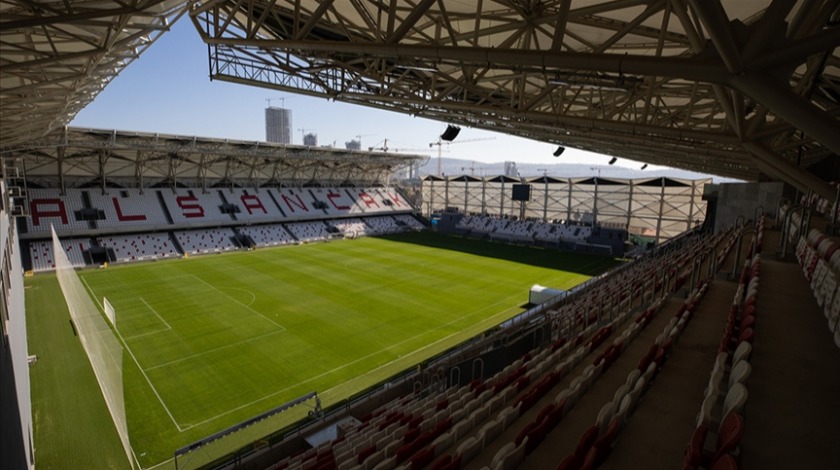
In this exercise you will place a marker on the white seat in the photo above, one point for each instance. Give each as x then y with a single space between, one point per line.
501 454
740 373
469 449
632 377
604 417
620 392
743 351
492 432
704 417
735 400
513 459
443 442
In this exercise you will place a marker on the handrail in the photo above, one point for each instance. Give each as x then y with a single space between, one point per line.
740 240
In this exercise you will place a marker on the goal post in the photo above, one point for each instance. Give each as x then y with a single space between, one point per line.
103 349
109 312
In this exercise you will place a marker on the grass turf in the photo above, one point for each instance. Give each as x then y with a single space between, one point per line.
214 340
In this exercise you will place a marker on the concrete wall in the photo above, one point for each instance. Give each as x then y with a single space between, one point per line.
742 199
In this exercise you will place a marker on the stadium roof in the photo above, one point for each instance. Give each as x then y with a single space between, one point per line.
740 88
74 157
56 56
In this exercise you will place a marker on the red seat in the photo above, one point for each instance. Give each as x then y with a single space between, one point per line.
524 433
571 462
731 432
746 335
365 453
422 458
586 440
441 463
747 322
694 453
727 462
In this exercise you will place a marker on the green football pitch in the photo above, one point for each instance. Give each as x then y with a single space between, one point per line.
211 341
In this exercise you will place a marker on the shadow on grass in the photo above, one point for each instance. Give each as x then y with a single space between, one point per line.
569 261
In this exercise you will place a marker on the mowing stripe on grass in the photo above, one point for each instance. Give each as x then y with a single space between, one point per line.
218 348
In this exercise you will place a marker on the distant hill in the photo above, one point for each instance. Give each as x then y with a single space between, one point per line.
454 167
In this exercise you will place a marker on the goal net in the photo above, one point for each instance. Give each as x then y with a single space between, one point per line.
102 347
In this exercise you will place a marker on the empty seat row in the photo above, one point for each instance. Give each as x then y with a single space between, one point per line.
598 439
819 258
719 428
139 247
206 240
43 258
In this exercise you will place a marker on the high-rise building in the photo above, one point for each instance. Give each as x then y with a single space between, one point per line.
278 125
310 140
354 144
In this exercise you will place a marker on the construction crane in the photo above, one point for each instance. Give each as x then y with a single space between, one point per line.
472 168
440 143
357 141
385 148
282 101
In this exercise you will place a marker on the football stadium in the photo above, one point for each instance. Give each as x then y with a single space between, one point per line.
204 302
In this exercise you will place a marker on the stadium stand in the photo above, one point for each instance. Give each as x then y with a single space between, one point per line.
381 225
41 253
252 206
267 235
309 231
349 227
48 207
408 221
139 247
193 207
206 240
504 228
127 208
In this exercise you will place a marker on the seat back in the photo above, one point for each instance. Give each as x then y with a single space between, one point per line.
735 400
740 373
729 435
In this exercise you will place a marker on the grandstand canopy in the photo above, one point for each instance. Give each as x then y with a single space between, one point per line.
740 88
75 157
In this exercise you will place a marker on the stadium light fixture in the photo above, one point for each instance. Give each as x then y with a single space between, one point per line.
613 160
644 166
450 133
559 151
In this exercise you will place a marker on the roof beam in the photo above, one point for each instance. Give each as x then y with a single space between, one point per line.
791 107
688 68
713 17
776 166
410 20
323 6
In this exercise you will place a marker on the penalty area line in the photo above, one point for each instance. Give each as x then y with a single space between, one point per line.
168 326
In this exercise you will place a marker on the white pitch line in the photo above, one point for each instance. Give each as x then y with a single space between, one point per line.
168 326
238 302
131 353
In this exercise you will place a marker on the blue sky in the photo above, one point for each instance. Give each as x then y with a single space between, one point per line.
168 90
